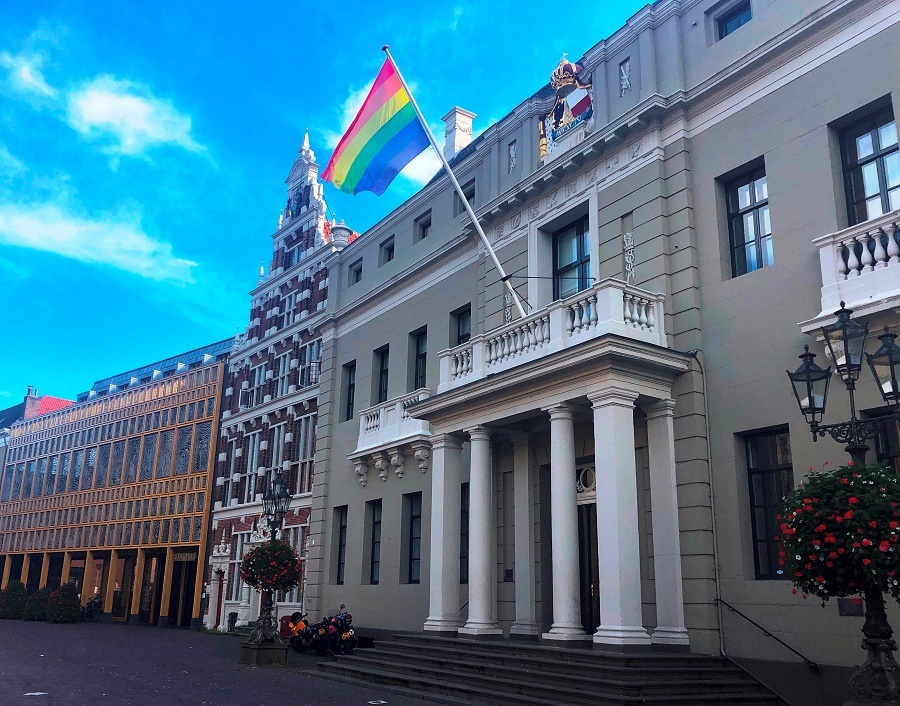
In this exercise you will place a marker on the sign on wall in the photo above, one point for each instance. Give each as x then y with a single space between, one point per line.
573 107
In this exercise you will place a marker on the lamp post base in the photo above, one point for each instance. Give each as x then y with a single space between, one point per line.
877 681
266 629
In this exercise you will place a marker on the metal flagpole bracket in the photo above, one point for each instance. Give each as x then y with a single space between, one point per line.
490 250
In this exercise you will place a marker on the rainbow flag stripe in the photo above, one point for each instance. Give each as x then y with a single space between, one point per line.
383 138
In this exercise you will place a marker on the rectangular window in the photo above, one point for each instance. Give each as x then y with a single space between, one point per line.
571 259
382 359
464 533
309 361
340 525
462 321
251 446
771 476
420 359
749 226
423 226
414 537
349 389
871 163
386 251
355 273
282 368
288 303
234 567
375 546
469 192
736 17
257 384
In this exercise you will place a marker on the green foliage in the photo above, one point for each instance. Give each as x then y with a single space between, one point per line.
12 601
840 532
273 566
64 606
36 605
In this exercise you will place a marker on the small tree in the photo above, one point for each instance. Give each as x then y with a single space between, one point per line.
36 605
64 605
12 601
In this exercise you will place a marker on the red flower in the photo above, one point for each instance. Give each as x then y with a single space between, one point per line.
794 591
820 528
884 546
867 542
893 524
848 515
852 501
873 523
867 561
845 481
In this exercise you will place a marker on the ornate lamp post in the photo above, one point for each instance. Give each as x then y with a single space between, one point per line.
275 506
877 681
846 342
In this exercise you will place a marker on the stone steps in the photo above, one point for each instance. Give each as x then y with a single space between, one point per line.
461 671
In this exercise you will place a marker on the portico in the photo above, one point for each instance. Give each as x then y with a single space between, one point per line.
590 396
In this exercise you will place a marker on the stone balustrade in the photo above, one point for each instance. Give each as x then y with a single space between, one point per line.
608 307
860 266
389 423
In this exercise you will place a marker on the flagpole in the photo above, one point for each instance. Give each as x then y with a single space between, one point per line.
440 153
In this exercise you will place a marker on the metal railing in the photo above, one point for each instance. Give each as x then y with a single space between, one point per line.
813 666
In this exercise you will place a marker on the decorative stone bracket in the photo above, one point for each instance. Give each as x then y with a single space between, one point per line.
393 458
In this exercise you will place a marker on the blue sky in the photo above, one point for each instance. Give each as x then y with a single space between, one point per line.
144 146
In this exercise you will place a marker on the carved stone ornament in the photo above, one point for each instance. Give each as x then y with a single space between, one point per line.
422 455
397 460
628 243
382 463
362 473
517 220
624 77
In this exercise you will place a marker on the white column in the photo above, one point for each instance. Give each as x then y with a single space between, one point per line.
443 588
523 487
617 524
482 609
564 528
212 593
670 628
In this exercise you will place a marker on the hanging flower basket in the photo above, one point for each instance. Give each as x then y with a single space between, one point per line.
840 533
273 566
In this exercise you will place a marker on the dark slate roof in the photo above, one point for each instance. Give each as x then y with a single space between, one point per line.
11 415
205 354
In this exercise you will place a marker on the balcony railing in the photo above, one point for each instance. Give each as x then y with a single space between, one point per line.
610 306
860 266
389 423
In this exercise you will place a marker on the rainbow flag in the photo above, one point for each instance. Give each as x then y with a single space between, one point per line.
383 138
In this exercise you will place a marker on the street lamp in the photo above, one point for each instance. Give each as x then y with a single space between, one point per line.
846 343
275 506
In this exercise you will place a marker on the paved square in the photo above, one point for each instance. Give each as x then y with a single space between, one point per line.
90 664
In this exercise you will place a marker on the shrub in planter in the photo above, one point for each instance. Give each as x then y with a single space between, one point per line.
36 605
64 605
12 601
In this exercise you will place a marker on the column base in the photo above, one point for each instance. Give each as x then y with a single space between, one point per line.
524 631
622 636
442 625
670 638
481 631
566 633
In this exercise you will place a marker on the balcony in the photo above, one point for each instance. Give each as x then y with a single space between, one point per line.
388 435
860 266
609 307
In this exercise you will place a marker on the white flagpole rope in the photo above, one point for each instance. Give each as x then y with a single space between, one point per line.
503 276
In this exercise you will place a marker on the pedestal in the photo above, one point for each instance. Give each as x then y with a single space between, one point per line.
263 654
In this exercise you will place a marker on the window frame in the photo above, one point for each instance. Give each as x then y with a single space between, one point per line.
582 264
414 538
469 192
375 520
386 252
770 507
350 390
875 120
383 357
459 316
423 226
734 213
420 359
354 272
340 518
736 11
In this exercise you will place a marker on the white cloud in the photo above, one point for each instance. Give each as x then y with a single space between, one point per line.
117 241
25 73
129 116
9 164
457 13
423 168
349 108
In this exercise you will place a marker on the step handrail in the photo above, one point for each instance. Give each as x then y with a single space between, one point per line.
814 667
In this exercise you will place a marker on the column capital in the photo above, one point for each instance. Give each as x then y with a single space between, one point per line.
613 397
439 441
659 408
561 410
481 433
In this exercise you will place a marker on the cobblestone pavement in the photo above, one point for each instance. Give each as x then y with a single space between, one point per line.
117 665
